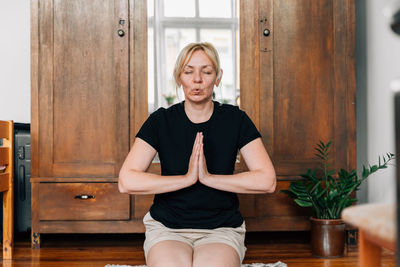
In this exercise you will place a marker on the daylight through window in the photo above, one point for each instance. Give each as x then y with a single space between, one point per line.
172 24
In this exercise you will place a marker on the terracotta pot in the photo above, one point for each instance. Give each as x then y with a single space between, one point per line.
327 238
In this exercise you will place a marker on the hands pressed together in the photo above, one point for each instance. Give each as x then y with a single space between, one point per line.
197 170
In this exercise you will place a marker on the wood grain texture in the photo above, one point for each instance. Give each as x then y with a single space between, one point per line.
99 250
303 89
139 97
249 59
351 84
89 97
4 129
266 72
75 179
45 86
138 71
4 181
298 87
369 252
35 233
4 156
34 5
8 221
307 91
62 201
7 187
273 212
89 70
80 107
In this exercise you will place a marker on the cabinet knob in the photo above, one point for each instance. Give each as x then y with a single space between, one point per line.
84 197
121 33
266 32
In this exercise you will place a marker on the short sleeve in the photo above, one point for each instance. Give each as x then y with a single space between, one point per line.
149 131
247 132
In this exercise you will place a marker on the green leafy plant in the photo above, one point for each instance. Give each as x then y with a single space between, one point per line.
169 98
328 195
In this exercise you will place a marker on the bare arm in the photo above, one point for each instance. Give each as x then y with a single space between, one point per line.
260 178
134 179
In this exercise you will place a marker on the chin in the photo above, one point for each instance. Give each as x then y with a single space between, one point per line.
198 99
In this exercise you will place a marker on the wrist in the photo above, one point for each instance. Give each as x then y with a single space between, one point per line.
207 178
188 180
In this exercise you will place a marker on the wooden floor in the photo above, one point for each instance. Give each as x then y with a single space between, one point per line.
99 250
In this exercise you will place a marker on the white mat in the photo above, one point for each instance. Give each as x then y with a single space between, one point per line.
276 264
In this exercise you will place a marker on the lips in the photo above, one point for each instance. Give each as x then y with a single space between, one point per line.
197 91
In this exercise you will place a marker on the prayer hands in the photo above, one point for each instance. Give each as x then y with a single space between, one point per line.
197 169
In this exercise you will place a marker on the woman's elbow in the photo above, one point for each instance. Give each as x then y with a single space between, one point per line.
121 185
270 182
272 185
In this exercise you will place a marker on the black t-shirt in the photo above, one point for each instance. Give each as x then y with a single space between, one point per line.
172 134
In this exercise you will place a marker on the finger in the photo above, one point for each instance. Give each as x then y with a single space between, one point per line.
201 153
196 140
202 163
196 152
202 158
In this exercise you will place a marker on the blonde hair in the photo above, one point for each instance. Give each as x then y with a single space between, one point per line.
186 53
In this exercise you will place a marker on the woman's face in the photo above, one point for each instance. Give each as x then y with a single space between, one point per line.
198 78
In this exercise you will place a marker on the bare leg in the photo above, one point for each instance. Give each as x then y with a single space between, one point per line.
170 254
215 255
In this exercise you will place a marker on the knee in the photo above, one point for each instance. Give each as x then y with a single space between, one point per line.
169 261
166 254
165 263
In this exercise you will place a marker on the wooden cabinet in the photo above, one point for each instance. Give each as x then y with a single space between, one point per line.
298 86
83 114
89 98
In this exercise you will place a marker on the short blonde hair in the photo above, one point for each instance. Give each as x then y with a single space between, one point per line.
186 53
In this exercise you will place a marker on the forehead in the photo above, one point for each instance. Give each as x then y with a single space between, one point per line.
199 58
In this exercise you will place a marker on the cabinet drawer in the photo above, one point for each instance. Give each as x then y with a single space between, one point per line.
82 201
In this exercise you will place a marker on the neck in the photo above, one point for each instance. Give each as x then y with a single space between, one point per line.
199 112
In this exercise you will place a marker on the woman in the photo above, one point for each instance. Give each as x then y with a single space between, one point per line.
194 220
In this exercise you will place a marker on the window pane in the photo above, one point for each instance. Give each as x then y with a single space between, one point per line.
175 40
222 40
179 8
215 9
150 9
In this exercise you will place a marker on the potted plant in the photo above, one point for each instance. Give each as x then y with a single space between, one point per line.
327 195
169 98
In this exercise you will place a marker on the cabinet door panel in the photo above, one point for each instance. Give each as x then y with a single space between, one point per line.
303 83
298 86
83 89
307 92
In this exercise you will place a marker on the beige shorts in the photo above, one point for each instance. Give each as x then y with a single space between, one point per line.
157 232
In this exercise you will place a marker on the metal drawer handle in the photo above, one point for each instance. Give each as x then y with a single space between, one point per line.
84 197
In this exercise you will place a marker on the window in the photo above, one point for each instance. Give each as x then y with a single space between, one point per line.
172 24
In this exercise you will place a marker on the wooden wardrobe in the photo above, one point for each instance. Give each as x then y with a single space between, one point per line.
89 99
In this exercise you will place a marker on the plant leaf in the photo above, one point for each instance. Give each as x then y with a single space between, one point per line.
303 203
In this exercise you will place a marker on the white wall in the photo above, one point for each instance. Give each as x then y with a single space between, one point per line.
382 65
15 60
378 62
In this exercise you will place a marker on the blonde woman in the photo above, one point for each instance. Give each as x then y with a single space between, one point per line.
194 219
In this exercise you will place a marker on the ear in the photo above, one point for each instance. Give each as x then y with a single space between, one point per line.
219 77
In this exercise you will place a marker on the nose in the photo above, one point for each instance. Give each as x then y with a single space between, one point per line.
197 77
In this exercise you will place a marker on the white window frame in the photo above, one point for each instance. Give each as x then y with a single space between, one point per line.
160 23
